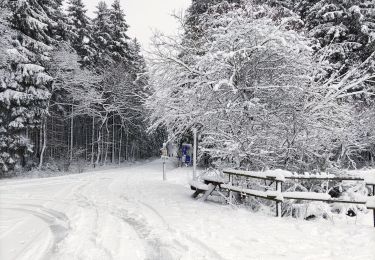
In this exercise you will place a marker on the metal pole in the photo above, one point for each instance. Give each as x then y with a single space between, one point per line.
373 194
195 155
164 175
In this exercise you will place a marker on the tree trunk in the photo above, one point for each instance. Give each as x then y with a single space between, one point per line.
113 139
71 135
126 145
106 143
44 145
119 147
99 148
86 139
93 141
52 137
100 141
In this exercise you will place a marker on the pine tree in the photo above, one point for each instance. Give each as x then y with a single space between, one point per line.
80 29
110 35
193 30
26 87
138 64
343 30
102 34
119 45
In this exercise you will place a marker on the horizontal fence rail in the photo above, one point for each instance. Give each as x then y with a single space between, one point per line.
279 177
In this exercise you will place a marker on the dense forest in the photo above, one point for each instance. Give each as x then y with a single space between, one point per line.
267 84
71 87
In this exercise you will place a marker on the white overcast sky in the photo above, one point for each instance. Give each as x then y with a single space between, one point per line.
144 16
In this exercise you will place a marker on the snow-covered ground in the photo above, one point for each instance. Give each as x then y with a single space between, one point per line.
130 213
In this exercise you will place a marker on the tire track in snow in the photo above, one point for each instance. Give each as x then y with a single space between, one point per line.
57 222
87 204
195 241
187 236
155 249
198 243
170 245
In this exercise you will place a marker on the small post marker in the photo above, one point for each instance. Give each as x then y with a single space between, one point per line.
164 157
164 173
195 154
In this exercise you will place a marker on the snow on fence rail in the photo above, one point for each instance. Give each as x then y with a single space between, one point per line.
280 176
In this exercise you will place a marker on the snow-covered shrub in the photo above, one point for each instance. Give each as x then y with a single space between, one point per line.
248 87
310 210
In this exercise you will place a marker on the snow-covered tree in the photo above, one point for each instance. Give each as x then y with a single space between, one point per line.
102 34
53 108
344 30
26 89
118 47
250 92
193 29
80 31
110 34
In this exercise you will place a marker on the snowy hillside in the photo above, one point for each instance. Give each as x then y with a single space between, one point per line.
130 213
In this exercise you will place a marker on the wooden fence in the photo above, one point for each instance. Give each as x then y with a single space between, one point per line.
278 195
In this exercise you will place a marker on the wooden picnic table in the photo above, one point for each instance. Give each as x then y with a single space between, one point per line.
206 187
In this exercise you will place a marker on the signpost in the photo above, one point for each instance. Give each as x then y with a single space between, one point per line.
164 173
164 157
195 155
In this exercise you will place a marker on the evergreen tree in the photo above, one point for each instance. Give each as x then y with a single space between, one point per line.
193 30
138 64
80 28
110 35
103 35
119 45
26 88
344 31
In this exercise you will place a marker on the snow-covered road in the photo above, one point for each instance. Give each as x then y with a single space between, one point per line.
129 213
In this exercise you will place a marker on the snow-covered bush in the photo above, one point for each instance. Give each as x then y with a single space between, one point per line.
248 87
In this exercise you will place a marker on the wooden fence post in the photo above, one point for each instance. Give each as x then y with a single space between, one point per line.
231 184
278 203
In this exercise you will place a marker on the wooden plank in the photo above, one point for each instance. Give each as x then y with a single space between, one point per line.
319 178
211 188
250 175
196 185
257 175
254 193
209 179
325 200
